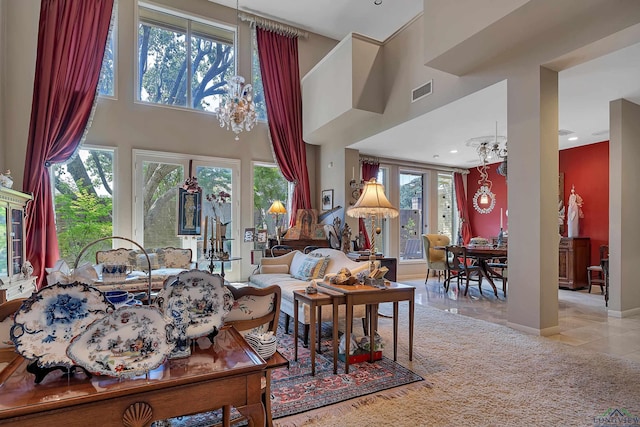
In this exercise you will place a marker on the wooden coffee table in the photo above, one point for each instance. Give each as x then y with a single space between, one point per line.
227 373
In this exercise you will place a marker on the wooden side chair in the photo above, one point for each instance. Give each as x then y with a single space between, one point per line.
460 266
595 273
435 257
255 309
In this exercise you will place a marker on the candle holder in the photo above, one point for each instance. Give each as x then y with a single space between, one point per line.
501 237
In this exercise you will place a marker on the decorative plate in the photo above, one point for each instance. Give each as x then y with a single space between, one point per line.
48 320
208 300
128 342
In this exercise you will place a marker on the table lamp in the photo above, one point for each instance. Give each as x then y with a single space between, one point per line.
372 203
277 209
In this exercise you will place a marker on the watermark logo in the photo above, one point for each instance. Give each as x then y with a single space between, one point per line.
616 418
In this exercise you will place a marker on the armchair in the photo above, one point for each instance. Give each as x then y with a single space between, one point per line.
435 257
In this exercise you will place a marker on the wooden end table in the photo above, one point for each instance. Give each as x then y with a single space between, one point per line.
316 301
372 297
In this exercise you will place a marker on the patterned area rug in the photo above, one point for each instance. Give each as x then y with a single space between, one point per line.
294 390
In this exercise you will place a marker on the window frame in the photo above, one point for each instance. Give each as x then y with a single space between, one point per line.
190 17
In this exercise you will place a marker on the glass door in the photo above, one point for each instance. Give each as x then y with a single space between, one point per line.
4 244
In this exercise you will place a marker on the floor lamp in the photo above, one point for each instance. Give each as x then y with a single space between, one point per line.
276 210
372 203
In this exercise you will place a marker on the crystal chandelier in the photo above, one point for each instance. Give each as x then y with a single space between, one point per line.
237 110
488 147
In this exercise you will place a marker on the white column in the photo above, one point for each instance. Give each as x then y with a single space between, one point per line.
533 201
624 208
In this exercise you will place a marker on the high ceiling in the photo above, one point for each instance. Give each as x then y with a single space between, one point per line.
584 90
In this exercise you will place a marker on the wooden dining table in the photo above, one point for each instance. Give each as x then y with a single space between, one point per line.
484 254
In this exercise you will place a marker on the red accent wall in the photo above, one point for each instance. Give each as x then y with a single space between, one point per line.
586 167
487 225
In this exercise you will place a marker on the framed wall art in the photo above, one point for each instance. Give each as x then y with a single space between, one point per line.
189 212
327 200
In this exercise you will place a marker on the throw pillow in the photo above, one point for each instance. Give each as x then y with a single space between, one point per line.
143 265
274 269
296 262
305 270
320 268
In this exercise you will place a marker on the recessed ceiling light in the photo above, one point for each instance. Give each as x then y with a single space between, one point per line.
436 156
377 2
453 151
573 138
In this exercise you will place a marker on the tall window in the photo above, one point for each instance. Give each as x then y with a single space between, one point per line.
268 185
446 206
157 178
411 217
107 82
182 61
256 80
83 201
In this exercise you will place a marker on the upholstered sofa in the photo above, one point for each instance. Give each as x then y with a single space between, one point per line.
295 270
165 262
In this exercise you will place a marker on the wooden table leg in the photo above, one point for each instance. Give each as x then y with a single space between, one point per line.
395 331
312 328
254 413
373 318
295 328
347 338
335 337
411 313
319 329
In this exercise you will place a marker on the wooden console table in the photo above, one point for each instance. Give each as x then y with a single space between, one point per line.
227 373
573 259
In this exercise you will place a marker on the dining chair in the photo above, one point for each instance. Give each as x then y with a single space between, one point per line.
597 270
498 268
280 249
460 266
435 257
255 310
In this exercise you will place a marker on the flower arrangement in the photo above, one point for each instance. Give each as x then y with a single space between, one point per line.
217 201
191 185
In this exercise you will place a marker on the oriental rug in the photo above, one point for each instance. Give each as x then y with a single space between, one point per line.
294 390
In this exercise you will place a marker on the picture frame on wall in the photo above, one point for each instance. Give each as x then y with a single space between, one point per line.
189 212
327 200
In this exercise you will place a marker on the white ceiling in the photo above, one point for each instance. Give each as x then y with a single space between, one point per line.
584 90
335 18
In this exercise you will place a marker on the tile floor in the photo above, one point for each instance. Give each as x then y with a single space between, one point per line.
582 318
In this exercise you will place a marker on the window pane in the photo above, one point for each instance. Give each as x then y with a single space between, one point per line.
160 200
446 206
256 79
106 84
268 186
83 203
212 64
216 183
162 63
411 193
174 72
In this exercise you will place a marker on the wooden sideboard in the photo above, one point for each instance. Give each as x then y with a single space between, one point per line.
574 254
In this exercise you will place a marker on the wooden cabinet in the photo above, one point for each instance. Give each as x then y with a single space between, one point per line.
12 248
574 254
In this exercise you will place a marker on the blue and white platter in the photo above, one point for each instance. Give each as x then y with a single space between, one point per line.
129 342
48 320
207 300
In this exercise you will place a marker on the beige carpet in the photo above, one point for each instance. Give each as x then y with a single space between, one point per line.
483 374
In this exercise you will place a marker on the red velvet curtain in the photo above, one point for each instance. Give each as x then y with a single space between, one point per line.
369 170
463 210
71 40
281 81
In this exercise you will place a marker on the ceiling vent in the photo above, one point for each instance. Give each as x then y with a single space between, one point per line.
422 91
564 132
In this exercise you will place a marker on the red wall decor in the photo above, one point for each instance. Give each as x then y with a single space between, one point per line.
488 225
586 167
